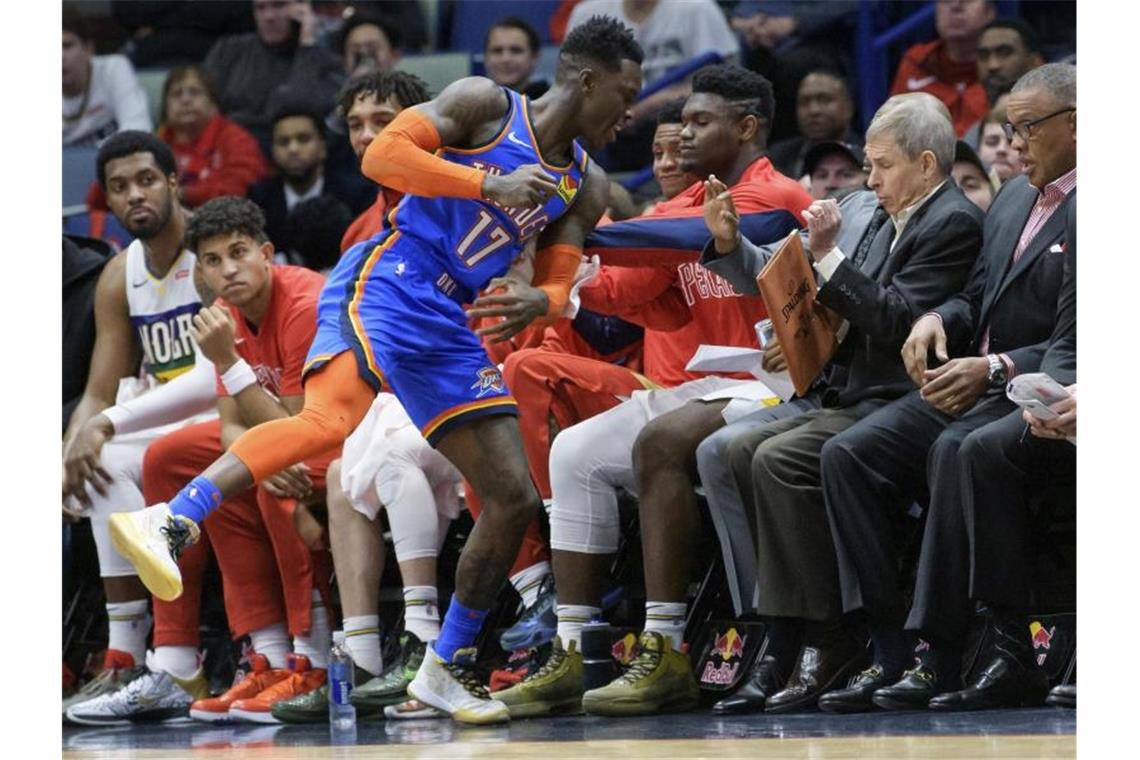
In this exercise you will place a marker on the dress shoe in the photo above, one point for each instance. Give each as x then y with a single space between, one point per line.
856 696
763 680
916 688
1064 695
817 670
1006 682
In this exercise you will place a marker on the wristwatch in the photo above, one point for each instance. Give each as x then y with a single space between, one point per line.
996 377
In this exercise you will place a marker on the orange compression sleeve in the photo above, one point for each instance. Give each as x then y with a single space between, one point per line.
402 157
336 400
554 270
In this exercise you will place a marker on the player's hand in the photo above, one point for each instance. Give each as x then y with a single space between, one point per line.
214 333
291 483
526 187
721 217
1064 425
82 465
955 387
925 334
823 220
774 359
517 303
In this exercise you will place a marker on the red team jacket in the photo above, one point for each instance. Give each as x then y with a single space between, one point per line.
681 303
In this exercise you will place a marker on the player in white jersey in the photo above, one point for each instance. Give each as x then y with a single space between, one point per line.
146 379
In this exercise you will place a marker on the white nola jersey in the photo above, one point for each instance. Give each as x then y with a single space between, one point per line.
162 311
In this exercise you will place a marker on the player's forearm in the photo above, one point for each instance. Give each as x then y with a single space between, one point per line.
187 395
403 158
257 406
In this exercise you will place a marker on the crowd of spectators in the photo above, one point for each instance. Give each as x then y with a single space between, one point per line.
933 233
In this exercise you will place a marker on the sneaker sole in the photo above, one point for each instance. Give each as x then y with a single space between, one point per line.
253 717
629 708
542 708
285 716
207 716
83 721
462 715
429 713
129 541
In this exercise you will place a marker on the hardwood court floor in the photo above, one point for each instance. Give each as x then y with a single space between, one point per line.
1037 733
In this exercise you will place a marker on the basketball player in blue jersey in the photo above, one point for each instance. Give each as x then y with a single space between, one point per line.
483 171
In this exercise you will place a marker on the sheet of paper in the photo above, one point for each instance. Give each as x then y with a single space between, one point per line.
710 358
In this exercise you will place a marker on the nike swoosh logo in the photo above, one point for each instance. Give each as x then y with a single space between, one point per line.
918 84
138 284
517 141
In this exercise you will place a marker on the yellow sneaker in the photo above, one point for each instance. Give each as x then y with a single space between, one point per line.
554 689
659 680
151 539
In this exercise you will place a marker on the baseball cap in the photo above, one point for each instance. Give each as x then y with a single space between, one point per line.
818 151
963 152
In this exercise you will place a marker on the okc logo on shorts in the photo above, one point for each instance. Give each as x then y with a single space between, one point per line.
487 380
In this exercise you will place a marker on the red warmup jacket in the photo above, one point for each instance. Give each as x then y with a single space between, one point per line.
681 303
927 68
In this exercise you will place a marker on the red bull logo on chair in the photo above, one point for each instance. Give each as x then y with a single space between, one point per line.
724 658
1041 638
624 649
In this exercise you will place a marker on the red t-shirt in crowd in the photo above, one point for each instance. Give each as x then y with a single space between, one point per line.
927 68
276 349
681 303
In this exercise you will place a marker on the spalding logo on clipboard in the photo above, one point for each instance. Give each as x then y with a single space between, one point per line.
803 327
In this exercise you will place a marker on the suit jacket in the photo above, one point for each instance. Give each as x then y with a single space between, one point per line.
882 298
1018 304
1060 359
270 196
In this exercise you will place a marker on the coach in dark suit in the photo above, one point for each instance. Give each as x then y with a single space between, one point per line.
1000 325
921 256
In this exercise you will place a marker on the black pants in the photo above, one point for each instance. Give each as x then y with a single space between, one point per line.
877 469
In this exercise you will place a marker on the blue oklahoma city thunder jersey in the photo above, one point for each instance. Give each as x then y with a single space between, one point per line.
475 240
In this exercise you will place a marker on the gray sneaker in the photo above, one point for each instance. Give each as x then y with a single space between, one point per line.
107 682
154 697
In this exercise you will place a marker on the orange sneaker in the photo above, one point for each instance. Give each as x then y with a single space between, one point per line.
257 680
301 679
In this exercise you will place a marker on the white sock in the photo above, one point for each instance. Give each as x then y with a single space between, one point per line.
571 618
129 625
528 581
668 619
273 642
315 644
421 612
180 662
362 639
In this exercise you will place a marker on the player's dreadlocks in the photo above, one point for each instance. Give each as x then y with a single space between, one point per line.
409 89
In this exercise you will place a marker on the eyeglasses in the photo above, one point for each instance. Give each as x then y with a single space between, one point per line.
1024 129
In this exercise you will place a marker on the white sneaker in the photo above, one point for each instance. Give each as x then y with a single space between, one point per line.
153 697
413 709
151 539
454 688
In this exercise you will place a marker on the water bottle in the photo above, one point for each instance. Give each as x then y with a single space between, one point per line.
342 714
598 666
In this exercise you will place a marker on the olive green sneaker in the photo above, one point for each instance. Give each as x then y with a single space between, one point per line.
660 679
391 686
554 689
313 706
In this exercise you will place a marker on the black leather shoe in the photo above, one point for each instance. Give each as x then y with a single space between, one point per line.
1005 682
1064 695
764 679
856 696
817 671
915 689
